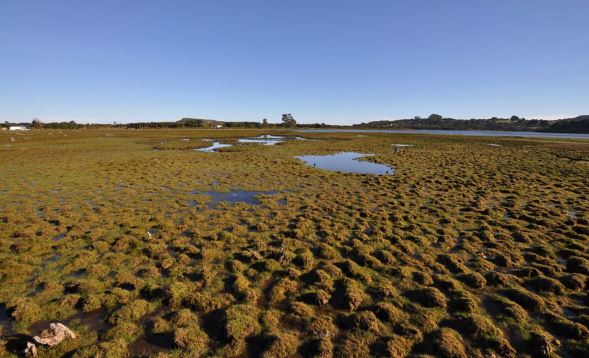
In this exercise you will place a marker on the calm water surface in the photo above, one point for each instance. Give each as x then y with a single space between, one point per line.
213 148
346 162
234 196
455 132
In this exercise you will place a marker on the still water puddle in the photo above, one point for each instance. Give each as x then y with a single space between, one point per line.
235 196
346 162
213 148
268 139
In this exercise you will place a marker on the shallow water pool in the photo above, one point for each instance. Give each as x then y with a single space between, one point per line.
234 196
347 162
213 148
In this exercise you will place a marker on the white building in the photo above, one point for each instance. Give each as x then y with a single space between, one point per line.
18 128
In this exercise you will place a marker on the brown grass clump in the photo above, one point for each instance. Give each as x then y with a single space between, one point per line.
448 344
427 297
483 333
348 294
280 345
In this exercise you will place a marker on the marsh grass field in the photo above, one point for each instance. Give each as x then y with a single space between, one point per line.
474 247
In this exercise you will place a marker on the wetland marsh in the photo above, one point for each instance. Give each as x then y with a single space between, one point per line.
146 246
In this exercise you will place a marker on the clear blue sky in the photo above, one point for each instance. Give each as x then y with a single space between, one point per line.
324 61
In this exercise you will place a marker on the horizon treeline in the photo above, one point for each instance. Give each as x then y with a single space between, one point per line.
578 124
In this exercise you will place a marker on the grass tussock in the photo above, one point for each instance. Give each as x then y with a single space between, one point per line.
477 251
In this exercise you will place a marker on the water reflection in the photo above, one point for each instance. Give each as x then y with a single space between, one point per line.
213 148
346 162
235 196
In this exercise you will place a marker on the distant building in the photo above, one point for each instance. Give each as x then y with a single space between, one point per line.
18 128
219 126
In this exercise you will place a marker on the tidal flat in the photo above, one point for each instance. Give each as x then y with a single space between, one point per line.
466 250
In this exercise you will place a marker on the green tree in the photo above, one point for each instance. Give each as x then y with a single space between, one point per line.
36 123
288 120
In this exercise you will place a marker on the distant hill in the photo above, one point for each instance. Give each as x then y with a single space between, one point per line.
199 122
572 125
578 124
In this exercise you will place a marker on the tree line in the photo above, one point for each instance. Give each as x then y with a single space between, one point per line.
514 123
